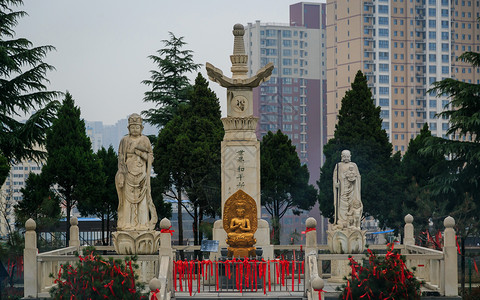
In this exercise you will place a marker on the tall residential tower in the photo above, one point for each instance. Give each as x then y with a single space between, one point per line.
402 46
294 98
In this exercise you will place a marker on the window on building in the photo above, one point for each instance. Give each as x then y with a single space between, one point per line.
383 79
382 44
383 32
384 102
383 90
383 9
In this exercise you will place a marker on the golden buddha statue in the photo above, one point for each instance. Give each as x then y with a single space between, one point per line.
240 223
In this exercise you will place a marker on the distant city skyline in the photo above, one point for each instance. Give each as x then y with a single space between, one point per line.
102 46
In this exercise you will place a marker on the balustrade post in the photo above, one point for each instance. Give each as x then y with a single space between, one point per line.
74 233
30 260
408 238
450 257
310 245
166 249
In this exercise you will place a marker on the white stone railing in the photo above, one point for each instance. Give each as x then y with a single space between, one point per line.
315 283
39 266
438 269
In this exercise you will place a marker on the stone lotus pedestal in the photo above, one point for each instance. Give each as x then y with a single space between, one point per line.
344 241
136 242
347 240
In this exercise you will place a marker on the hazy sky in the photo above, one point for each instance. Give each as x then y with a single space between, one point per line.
102 45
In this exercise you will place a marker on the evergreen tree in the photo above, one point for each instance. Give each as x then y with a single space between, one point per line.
359 130
104 207
460 180
187 155
169 84
22 90
418 169
39 202
71 165
284 180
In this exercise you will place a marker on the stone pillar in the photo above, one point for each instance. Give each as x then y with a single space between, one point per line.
166 249
74 233
240 149
408 238
450 256
30 260
310 241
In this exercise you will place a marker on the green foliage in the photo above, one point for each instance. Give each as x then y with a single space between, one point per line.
95 278
284 180
22 90
106 208
187 153
71 163
359 130
418 170
169 84
4 168
381 278
39 202
460 180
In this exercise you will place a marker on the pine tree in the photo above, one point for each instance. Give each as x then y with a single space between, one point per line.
418 169
39 202
22 90
359 130
187 154
460 180
169 84
71 164
284 180
106 209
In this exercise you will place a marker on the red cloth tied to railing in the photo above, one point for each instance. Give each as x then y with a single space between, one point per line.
154 294
167 230
320 291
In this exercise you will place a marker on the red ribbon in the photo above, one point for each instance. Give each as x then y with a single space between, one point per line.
165 230
154 294
320 291
458 247
310 229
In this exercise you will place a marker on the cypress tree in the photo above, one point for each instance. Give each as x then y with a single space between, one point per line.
71 164
359 130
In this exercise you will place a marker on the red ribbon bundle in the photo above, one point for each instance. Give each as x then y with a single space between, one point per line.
164 230
154 294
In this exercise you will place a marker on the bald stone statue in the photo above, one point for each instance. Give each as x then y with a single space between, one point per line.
346 193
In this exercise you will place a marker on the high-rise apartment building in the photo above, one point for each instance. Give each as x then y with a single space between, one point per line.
402 46
293 100
10 192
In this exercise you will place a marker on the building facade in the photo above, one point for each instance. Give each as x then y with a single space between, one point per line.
10 193
402 46
293 100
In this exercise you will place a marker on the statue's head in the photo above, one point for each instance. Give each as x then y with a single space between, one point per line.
135 126
241 209
346 156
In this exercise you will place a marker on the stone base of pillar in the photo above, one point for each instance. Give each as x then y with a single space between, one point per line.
340 269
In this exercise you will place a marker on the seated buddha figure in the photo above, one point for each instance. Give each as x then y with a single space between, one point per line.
240 233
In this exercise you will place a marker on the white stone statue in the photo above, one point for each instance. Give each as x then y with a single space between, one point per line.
136 210
346 193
